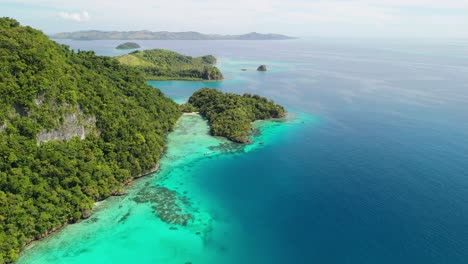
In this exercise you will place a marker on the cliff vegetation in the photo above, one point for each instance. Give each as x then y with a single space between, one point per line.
74 127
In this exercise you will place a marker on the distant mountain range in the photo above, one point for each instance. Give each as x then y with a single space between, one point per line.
162 35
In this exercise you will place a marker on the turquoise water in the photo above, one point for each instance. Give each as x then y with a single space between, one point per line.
123 228
370 166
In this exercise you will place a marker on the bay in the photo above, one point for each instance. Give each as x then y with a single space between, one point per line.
371 165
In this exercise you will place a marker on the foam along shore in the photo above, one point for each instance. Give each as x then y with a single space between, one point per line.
164 218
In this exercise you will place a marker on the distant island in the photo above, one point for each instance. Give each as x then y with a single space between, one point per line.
230 115
128 45
162 35
159 64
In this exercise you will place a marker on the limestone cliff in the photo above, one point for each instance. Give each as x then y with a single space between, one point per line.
74 125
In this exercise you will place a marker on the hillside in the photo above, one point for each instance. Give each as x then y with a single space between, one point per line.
162 35
74 127
160 64
230 115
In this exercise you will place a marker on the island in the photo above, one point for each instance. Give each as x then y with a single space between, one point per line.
230 115
160 64
162 35
128 45
262 68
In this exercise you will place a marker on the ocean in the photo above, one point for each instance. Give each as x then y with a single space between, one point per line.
369 166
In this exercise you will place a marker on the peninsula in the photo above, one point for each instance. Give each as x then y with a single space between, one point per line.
162 35
230 115
159 64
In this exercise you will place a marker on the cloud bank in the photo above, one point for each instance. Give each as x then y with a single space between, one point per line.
342 18
78 17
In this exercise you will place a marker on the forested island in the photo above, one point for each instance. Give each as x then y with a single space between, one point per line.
159 64
75 128
128 45
162 35
230 115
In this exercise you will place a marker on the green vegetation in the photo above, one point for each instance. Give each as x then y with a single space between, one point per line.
128 45
44 186
230 115
159 64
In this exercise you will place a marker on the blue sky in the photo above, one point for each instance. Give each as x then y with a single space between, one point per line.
367 18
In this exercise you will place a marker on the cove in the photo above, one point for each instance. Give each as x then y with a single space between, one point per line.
166 217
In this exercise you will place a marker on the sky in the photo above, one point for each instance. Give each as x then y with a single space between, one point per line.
301 18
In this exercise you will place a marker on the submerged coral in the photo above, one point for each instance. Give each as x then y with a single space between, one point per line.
169 207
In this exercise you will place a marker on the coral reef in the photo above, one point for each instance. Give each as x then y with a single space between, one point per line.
169 207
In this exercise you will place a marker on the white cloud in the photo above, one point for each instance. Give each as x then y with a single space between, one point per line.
78 17
407 18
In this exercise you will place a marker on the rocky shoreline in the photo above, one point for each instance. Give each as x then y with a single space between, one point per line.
88 213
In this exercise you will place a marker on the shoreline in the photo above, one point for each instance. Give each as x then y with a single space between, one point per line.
95 204
31 244
181 79
192 113
126 183
181 149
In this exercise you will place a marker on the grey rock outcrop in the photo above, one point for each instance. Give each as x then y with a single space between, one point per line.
74 125
86 213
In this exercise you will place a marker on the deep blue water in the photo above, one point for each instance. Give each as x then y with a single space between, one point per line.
381 178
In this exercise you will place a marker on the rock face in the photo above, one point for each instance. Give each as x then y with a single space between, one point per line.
85 213
212 73
119 192
262 68
74 125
